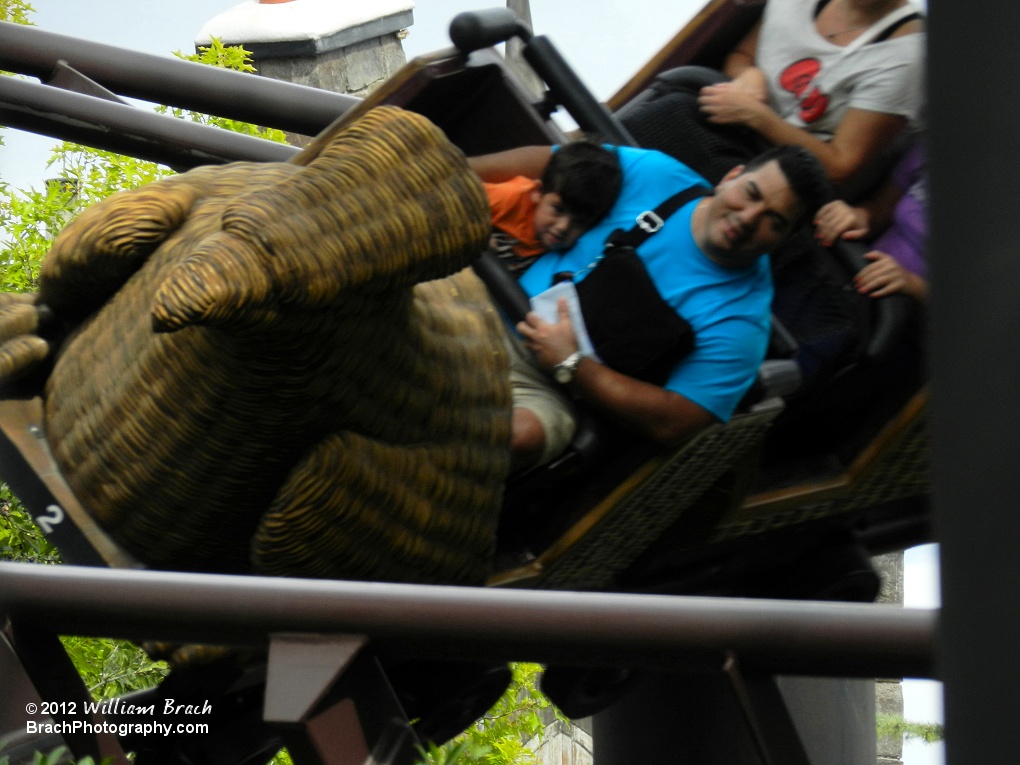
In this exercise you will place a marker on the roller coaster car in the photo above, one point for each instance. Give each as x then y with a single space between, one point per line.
787 499
833 437
834 452
793 494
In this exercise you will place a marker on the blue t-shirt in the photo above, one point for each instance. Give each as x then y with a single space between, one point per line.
728 309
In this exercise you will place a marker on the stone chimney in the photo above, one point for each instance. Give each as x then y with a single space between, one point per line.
339 45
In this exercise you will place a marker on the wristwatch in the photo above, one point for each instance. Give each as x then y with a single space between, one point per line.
564 372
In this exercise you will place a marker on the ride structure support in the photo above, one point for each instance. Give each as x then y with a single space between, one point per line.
321 678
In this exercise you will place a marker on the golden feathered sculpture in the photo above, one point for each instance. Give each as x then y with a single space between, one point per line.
284 368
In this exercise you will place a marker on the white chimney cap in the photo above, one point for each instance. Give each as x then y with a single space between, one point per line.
294 20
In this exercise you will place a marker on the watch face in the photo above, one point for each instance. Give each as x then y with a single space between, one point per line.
564 371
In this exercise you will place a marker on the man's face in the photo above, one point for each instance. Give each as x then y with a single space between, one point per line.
555 227
750 214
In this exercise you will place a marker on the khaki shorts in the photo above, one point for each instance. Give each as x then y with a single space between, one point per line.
535 391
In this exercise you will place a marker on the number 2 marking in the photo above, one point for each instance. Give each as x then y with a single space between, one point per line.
54 515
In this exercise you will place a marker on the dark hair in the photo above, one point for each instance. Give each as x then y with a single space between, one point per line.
587 176
803 172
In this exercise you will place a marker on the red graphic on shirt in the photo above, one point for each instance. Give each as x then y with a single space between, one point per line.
797 79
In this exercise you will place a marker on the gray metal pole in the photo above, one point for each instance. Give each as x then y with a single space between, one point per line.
790 637
513 49
126 130
206 89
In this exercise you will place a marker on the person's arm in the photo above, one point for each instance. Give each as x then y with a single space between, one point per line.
881 207
838 220
662 415
885 276
860 136
529 161
740 67
659 414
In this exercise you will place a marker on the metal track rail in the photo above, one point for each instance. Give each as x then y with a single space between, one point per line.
124 129
466 623
236 95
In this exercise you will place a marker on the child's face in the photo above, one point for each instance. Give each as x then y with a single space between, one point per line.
555 227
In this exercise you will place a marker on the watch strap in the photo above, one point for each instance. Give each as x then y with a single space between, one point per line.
564 371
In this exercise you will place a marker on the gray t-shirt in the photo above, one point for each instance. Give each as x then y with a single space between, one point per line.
812 82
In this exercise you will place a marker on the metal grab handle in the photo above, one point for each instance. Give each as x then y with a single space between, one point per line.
474 30
892 313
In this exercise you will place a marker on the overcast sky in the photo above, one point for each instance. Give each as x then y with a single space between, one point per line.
606 41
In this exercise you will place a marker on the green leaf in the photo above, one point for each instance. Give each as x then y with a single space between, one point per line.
500 737
893 726
16 11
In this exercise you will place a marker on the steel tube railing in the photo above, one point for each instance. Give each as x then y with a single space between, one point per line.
206 89
787 637
127 130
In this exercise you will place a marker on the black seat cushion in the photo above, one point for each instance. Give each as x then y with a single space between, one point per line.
666 117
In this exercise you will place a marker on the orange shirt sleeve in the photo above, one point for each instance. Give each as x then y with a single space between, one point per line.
513 213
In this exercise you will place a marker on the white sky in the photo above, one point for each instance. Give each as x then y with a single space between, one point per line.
922 699
606 43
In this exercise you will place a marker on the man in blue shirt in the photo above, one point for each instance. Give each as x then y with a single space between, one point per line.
706 263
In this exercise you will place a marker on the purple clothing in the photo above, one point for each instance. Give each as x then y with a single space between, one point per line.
906 236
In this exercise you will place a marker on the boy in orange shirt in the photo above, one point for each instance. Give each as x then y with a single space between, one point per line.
531 217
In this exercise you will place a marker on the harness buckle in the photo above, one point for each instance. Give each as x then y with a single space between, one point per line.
649 222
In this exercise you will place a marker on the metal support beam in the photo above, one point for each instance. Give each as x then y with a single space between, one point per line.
332 703
54 676
975 369
766 715
206 89
123 129
68 78
466 623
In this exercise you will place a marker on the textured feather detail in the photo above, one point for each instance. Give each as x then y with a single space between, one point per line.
102 247
200 409
20 356
386 204
21 350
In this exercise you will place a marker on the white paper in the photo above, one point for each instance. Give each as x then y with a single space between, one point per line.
545 304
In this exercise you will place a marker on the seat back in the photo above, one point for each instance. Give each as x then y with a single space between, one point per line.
666 117
833 326
605 540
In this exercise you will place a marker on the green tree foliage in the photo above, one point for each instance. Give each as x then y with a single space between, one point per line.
226 57
29 220
501 736
57 757
895 727
20 538
111 668
16 11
